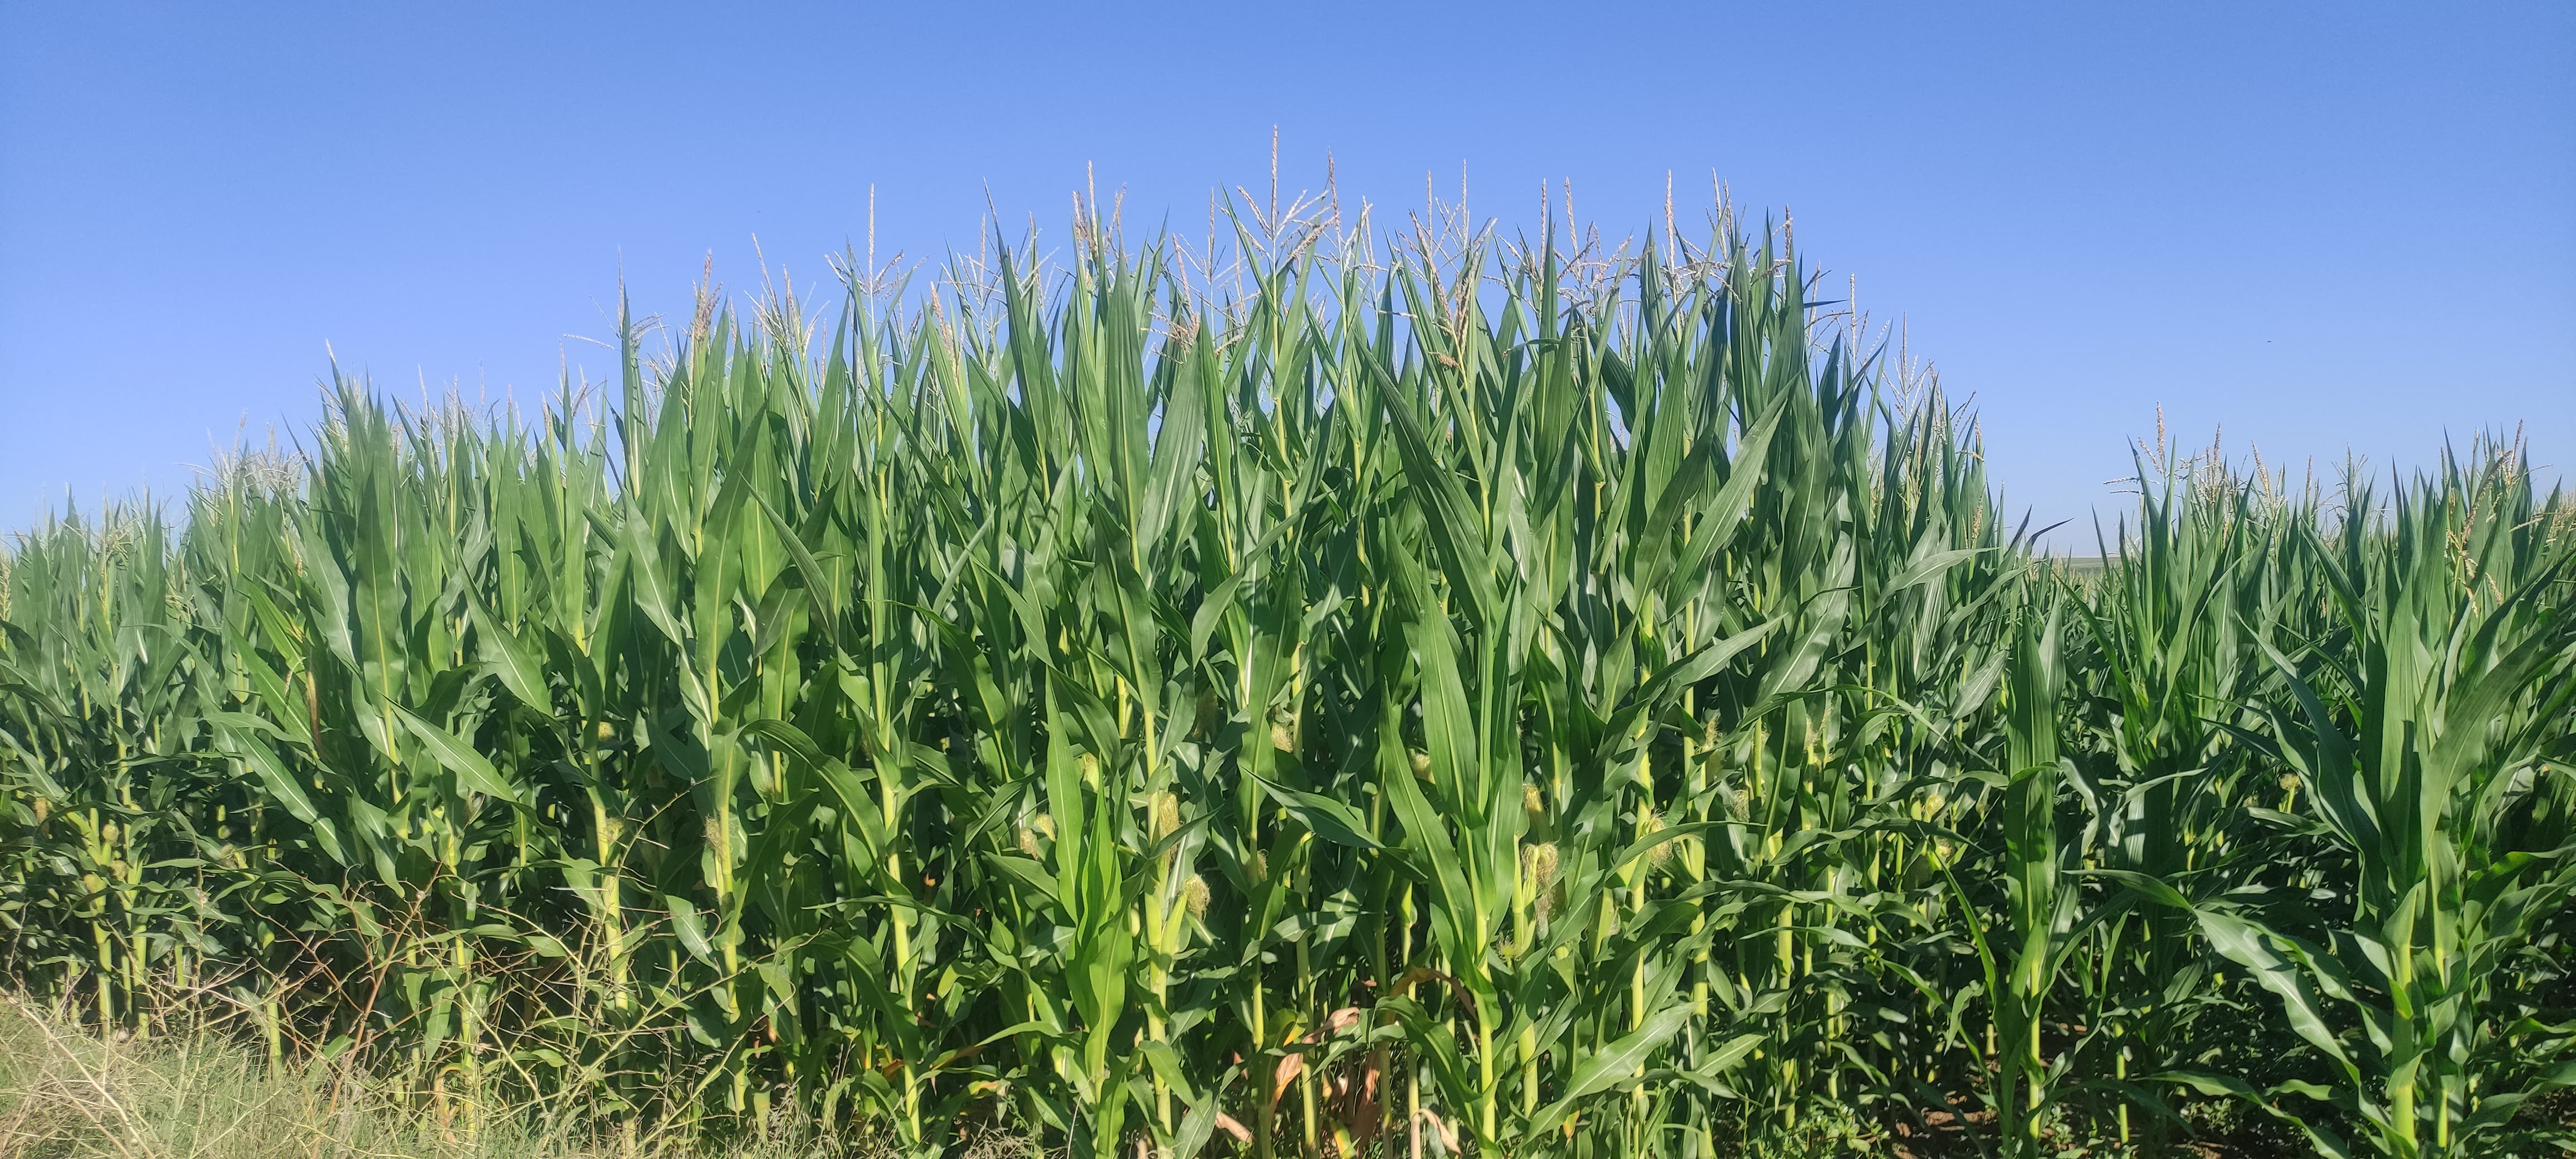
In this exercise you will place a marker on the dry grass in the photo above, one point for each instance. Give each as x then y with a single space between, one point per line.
66 1093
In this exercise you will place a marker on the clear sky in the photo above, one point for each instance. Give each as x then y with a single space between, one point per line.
2324 226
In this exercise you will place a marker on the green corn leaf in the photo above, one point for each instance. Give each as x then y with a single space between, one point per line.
473 772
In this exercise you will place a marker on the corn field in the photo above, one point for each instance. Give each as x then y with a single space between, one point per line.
1333 694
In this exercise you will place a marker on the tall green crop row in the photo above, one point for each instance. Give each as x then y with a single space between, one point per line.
1403 700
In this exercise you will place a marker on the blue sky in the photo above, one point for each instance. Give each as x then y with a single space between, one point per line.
2326 227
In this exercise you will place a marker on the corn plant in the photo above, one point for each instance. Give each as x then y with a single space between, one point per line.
2430 737
1307 690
